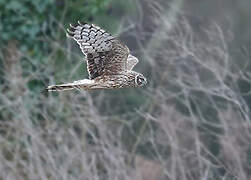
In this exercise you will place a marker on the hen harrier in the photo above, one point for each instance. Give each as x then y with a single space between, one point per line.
109 62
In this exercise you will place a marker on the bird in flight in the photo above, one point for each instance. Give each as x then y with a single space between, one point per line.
109 62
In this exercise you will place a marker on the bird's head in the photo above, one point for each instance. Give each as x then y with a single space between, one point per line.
140 80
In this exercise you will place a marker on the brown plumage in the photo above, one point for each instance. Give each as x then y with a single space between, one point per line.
109 62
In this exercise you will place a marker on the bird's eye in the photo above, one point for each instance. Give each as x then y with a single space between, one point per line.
139 81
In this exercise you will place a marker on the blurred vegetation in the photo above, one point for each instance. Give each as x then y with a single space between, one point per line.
191 122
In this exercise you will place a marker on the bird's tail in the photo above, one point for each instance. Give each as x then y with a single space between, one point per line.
81 85
61 87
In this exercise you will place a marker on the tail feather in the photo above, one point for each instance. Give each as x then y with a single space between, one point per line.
62 87
81 84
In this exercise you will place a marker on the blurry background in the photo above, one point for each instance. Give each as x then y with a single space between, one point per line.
192 121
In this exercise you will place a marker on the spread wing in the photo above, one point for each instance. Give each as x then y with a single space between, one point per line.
105 54
131 62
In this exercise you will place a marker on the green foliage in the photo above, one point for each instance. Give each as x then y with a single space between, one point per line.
24 21
28 21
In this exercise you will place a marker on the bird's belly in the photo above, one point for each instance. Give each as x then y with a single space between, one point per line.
110 82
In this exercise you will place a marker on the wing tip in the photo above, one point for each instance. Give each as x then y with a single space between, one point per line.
73 25
79 23
82 23
70 32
